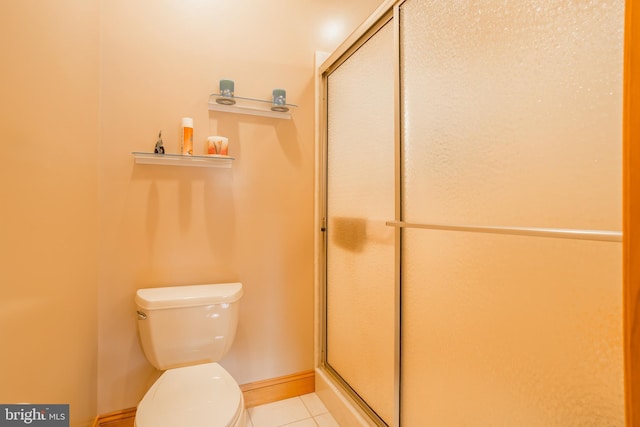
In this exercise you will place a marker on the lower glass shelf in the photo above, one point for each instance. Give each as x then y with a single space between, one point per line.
204 161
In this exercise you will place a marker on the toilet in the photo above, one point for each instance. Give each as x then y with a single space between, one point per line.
184 331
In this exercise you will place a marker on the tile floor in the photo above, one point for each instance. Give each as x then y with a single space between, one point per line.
303 411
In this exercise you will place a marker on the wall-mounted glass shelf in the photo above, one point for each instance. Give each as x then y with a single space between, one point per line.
250 106
204 161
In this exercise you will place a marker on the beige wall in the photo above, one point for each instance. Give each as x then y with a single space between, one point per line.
254 223
86 82
49 214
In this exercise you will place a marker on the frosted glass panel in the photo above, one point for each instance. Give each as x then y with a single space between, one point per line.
511 117
360 198
511 331
512 112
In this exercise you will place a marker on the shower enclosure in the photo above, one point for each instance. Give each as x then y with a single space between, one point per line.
471 205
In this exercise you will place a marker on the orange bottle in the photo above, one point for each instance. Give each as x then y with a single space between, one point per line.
186 146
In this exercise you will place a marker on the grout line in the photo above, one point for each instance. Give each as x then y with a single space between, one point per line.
248 417
304 419
306 407
311 416
326 410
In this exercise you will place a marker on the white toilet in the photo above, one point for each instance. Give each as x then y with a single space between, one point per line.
184 330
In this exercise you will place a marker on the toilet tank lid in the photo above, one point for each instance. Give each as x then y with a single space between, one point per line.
188 296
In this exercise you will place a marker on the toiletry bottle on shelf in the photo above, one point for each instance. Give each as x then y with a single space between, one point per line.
186 146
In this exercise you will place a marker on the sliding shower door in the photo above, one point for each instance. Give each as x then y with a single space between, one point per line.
360 248
511 139
473 167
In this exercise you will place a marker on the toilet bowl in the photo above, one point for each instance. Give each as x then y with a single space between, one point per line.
184 331
195 396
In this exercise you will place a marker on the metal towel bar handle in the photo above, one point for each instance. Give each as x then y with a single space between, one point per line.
560 233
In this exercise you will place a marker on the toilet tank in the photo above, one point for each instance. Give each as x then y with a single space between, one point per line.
187 325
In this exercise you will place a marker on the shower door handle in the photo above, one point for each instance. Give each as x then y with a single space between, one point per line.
559 233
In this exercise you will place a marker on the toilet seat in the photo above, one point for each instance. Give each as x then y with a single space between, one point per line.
196 396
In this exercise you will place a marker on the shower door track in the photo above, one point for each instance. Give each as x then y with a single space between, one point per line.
559 233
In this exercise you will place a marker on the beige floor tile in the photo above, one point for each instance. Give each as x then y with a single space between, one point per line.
314 404
304 423
279 413
326 420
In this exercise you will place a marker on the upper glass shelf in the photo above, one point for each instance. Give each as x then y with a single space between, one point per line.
206 161
250 106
